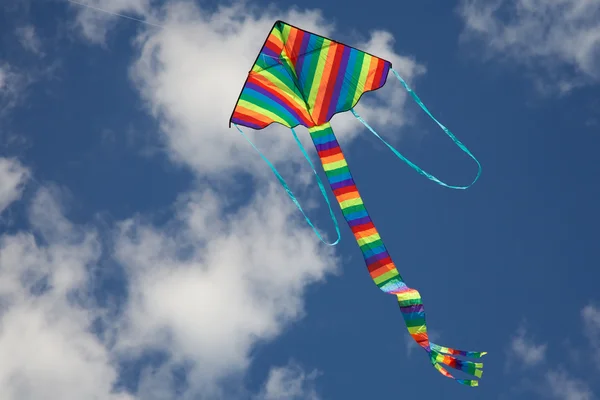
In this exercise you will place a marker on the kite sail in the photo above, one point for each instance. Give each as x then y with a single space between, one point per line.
300 78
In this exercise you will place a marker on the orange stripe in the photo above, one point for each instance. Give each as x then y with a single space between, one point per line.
382 270
333 158
347 196
289 44
364 234
276 42
291 40
253 114
324 80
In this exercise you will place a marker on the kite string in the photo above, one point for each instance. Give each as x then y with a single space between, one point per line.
116 14
446 130
289 191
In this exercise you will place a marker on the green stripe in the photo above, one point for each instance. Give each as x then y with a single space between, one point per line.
410 302
313 59
372 245
414 322
269 106
320 134
351 210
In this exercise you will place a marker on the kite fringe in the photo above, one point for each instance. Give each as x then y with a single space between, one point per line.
469 367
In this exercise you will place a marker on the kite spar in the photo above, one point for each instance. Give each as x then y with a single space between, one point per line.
300 78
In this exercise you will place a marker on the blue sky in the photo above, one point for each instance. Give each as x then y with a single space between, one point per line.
146 252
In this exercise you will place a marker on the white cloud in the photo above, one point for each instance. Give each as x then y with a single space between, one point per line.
288 383
564 387
591 324
214 284
560 37
13 176
11 86
47 347
526 350
29 39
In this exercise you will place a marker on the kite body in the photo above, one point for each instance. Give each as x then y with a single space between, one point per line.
300 78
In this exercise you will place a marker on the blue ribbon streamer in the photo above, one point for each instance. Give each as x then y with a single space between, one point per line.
289 192
411 164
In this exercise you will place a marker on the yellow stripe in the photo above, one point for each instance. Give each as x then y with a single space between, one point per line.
417 329
351 202
386 276
368 239
410 295
334 165
262 111
319 128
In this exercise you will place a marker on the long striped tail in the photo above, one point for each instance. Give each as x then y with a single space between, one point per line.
379 263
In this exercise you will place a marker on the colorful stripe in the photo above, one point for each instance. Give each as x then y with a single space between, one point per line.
379 263
305 79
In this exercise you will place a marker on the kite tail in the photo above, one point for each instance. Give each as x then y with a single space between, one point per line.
289 191
382 269
446 130
413 311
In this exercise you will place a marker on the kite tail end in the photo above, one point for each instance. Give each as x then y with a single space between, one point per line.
441 355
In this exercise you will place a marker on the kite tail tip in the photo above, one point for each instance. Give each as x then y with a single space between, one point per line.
469 367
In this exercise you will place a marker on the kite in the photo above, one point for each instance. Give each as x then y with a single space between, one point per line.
300 78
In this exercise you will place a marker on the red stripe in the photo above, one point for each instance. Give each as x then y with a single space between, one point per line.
379 263
363 227
345 189
297 45
248 118
330 152
333 77
273 46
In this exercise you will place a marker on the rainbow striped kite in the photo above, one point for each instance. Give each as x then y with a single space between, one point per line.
300 78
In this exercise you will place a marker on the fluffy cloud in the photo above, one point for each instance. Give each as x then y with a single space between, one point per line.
29 39
560 37
526 350
555 382
564 387
11 85
591 323
288 383
213 284
47 345
13 176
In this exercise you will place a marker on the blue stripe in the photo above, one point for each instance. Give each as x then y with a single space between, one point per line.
375 251
324 139
339 178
